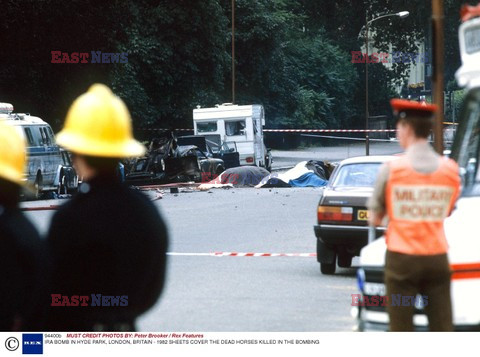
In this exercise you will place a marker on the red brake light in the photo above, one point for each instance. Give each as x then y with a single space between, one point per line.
249 159
331 213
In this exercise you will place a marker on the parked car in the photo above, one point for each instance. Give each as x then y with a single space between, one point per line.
342 216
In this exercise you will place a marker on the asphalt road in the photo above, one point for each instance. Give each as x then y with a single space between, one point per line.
208 293
223 293
287 159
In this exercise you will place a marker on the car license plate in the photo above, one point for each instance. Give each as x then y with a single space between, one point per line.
362 215
374 289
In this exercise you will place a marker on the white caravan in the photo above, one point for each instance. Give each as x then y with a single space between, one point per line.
239 126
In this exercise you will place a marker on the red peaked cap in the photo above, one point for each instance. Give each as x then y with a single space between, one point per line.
468 12
412 107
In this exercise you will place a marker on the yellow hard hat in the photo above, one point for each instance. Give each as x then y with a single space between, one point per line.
12 153
98 124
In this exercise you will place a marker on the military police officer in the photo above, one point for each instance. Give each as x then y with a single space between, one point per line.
416 192
109 240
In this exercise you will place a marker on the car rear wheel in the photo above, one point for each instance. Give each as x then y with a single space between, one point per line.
38 186
327 257
327 269
345 261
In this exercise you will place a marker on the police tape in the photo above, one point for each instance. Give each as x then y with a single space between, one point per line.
236 254
309 130
40 208
299 130
163 129
333 130
328 130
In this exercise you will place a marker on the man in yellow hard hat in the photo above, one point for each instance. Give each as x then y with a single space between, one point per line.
108 242
22 259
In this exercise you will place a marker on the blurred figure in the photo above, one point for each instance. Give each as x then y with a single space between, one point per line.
417 192
109 242
22 259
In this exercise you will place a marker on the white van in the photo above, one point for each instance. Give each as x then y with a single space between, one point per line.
48 167
239 126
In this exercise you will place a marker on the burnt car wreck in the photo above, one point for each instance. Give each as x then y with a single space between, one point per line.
168 162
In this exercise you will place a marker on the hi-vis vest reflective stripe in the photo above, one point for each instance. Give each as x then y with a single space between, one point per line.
417 204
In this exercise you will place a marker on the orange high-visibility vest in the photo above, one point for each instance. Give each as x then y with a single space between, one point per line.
417 205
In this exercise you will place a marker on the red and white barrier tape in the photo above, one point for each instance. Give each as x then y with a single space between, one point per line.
307 130
328 130
302 130
43 208
235 254
167 129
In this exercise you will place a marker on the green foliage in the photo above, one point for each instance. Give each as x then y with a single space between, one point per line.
292 56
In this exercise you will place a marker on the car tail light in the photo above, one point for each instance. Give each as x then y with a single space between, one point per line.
249 159
331 213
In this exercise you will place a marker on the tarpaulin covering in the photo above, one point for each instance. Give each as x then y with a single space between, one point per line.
308 180
304 174
244 175
238 176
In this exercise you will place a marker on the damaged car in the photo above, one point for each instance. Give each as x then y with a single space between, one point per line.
212 146
168 162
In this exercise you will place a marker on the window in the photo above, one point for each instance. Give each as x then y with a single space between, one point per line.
233 128
199 153
357 175
45 136
29 136
207 127
50 135
38 134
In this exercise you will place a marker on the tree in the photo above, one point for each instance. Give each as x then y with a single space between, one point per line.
177 60
293 56
301 77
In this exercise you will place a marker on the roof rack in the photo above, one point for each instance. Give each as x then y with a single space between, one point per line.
19 116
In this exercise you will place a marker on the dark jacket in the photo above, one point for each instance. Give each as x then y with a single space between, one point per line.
108 240
22 275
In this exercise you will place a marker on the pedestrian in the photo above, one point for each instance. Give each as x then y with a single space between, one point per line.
417 191
109 241
22 252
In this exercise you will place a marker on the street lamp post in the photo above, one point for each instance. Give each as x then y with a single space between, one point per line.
401 14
